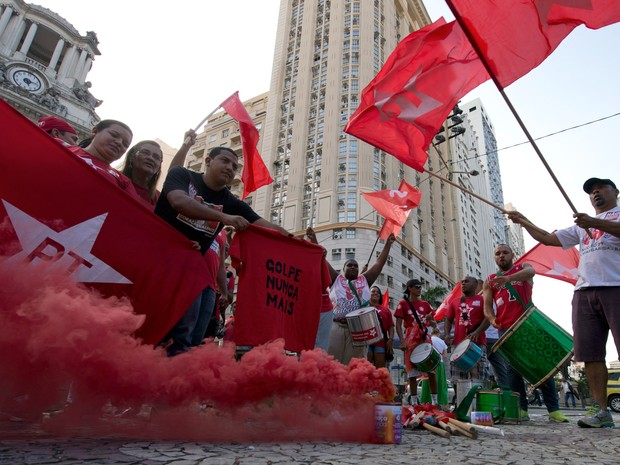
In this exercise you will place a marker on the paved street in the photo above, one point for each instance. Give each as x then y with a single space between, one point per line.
531 443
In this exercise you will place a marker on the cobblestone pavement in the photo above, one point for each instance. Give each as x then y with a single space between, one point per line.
535 442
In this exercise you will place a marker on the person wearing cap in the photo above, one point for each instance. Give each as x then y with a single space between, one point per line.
416 315
597 292
59 129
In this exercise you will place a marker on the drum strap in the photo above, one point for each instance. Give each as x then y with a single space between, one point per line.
423 328
362 304
513 292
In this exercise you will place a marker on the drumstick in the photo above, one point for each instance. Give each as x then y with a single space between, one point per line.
460 424
437 431
473 434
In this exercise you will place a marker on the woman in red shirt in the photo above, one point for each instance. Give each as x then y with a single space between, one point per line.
377 351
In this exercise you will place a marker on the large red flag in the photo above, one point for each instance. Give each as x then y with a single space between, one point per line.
553 262
454 295
404 106
56 209
254 173
394 205
281 283
516 36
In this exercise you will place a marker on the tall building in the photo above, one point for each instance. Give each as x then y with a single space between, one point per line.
325 53
44 62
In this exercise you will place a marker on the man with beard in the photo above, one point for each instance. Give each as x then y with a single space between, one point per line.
511 290
597 293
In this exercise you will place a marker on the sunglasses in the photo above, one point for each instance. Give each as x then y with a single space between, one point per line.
417 286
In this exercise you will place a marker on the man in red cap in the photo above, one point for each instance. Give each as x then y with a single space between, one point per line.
59 129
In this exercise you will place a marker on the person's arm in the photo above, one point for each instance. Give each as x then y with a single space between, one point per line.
189 139
525 274
447 326
537 233
489 314
482 327
182 203
399 331
311 235
373 272
222 280
586 222
266 224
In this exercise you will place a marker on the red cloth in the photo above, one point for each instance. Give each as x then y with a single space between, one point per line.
508 308
386 298
394 205
467 314
145 196
279 294
212 259
387 322
455 294
553 262
515 37
404 106
88 227
254 173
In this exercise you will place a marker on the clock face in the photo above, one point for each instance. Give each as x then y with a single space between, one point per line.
27 80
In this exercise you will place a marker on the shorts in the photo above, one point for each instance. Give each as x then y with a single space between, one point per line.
376 350
596 311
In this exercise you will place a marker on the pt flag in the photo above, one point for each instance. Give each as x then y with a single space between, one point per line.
454 295
553 262
404 106
517 36
254 173
394 205
281 282
56 210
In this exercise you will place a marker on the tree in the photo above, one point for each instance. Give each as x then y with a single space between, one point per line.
434 295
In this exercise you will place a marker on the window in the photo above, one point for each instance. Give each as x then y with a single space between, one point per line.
390 261
337 234
212 137
336 254
390 281
350 233
349 253
225 132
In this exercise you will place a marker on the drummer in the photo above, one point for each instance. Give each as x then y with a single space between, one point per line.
350 291
417 316
511 290
467 315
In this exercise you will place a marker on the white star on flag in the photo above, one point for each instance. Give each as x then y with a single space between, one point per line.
560 270
68 250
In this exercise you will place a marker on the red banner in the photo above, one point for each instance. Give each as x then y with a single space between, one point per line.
455 294
553 262
254 173
281 282
515 37
394 205
404 106
56 210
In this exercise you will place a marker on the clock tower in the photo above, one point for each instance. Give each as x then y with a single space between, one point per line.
44 62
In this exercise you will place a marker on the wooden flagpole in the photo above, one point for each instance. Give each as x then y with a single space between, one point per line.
482 199
507 100
204 120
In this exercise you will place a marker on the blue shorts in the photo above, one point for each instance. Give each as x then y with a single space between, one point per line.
376 350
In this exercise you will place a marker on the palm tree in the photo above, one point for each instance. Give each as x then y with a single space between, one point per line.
434 295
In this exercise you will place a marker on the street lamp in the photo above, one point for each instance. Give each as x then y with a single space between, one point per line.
469 173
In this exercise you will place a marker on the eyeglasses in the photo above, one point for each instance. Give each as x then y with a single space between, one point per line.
417 286
148 153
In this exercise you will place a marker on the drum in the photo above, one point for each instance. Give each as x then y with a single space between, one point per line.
425 357
535 346
466 354
504 406
364 326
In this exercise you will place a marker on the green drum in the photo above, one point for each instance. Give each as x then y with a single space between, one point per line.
535 346
503 405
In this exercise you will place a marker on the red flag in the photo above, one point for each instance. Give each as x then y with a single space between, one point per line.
281 285
254 173
404 106
385 301
394 205
553 262
455 294
56 209
515 37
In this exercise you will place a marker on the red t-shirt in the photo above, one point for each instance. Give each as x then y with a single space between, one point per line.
387 322
467 314
422 307
145 196
508 308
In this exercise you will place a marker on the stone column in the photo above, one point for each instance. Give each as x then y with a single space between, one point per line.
80 65
29 38
67 62
87 66
15 30
4 19
51 68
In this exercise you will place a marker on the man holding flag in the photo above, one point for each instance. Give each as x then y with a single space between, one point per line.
597 292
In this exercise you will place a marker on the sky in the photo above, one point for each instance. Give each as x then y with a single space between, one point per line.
163 70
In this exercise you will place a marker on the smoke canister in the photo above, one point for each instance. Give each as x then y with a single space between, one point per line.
388 423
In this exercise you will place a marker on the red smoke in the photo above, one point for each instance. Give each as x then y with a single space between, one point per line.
55 333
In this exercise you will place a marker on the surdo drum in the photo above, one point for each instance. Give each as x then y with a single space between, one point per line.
466 354
364 326
425 357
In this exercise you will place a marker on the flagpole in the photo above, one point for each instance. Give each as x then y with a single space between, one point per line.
373 248
508 102
206 118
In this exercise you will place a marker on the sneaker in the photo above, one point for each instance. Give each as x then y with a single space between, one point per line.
558 416
523 415
597 418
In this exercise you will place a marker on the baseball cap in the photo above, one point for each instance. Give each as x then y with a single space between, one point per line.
587 186
47 123
414 282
